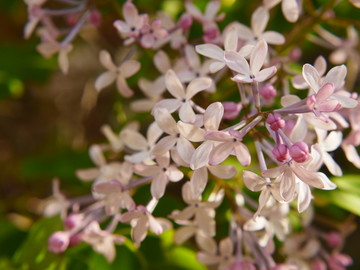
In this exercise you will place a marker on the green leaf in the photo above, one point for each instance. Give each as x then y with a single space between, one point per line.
34 254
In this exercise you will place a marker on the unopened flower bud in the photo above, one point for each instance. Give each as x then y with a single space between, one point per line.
210 33
72 221
333 239
295 54
339 261
299 151
75 239
185 21
275 121
59 241
231 110
95 18
268 91
318 265
281 152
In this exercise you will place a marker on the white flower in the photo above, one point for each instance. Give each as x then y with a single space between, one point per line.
116 73
250 73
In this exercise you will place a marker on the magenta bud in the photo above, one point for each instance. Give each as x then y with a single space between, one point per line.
295 54
72 221
318 265
185 21
299 152
75 239
95 18
231 110
333 239
211 33
275 121
267 91
58 241
281 152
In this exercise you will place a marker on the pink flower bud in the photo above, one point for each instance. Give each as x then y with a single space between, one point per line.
333 239
275 121
95 18
59 241
299 152
210 33
318 265
75 239
72 221
295 54
185 21
268 91
72 19
231 110
339 261
281 152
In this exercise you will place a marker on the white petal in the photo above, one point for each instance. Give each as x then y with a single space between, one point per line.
213 115
332 166
185 148
97 155
206 243
242 154
197 85
223 171
191 132
237 62
192 57
129 68
258 56
226 247
210 50
164 145
88 174
162 61
336 75
265 74
174 85
104 80
221 152
134 140
123 87
332 141
199 180
158 185
255 224
174 174
106 61
311 76
186 113
201 155
170 104
153 133
291 10
259 20
304 197
165 121
252 181
273 37
183 234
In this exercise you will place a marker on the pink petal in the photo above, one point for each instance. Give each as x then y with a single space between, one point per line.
259 20
221 152
134 140
252 181
237 62
104 80
324 92
199 180
287 185
174 174
211 9
130 13
197 85
158 185
164 145
242 154
174 85
258 56
314 179
183 234
274 172
311 76
219 136
242 78
223 171
191 132
273 37
291 10
192 57
170 104
123 87
210 50
162 61
139 232
165 121
304 197
186 113
129 68
106 61
265 74
201 155
185 149
213 115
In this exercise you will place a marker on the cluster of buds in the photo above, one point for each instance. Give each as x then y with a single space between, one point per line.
191 139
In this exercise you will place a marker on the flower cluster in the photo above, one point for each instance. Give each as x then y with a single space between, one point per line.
239 106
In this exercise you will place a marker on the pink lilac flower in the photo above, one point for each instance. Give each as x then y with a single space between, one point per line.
250 73
152 32
35 15
182 100
59 241
131 27
116 73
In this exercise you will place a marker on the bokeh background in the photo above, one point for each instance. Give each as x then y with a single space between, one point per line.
48 120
